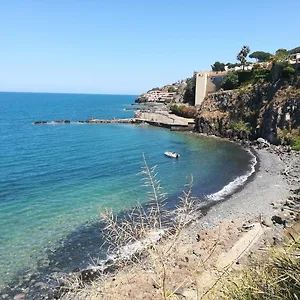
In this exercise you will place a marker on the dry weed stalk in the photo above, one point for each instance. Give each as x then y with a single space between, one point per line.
138 234
140 230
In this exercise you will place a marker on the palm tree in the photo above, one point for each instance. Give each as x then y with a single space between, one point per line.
242 55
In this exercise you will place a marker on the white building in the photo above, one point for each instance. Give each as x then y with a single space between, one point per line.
294 58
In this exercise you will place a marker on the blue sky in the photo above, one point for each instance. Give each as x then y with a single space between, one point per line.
129 46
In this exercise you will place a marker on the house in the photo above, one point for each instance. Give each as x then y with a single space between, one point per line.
294 58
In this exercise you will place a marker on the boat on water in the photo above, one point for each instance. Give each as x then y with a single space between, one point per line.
172 154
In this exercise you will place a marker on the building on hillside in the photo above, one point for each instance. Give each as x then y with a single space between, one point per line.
294 58
249 67
238 68
160 96
206 83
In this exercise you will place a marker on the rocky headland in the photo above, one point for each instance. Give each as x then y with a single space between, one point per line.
269 111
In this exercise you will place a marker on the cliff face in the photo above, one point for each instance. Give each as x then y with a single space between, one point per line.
269 111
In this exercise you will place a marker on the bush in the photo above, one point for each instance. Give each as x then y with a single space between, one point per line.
190 91
241 126
261 74
245 77
290 137
296 144
230 81
183 111
288 72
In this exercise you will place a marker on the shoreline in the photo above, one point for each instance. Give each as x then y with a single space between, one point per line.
262 188
220 221
234 205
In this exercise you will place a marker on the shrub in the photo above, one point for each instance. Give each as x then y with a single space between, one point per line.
183 111
230 81
290 137
261 74
241 126
288 72
189 94
295 142
296 145
245 77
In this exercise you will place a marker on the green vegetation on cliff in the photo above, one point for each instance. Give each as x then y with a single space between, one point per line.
261 102
278 71
184 111
190 91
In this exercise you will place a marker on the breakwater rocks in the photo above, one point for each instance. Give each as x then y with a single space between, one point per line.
150 116
89 121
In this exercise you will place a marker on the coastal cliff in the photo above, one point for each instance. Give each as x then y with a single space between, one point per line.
270 111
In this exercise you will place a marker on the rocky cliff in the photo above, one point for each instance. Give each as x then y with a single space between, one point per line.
270 111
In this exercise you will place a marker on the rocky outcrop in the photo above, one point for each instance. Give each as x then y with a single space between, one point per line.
251 112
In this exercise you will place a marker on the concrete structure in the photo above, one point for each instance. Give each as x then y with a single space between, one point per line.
164 119
206 83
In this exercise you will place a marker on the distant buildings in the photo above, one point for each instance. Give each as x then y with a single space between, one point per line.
160 96
248 67
237 68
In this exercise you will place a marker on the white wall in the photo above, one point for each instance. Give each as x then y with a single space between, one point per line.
201 81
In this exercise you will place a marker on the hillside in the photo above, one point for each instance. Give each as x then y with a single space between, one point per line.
270 110
177 92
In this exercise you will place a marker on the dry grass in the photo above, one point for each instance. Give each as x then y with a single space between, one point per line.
276 275
141 240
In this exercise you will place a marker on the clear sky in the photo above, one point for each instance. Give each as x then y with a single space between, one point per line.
130 46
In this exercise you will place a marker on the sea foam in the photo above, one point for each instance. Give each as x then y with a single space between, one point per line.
232 186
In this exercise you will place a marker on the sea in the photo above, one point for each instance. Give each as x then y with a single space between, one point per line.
54 178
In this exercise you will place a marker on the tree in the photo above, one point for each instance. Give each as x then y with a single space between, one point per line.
294 50
281 53
189 94
218 66
288 72
230 81
242 55
260 56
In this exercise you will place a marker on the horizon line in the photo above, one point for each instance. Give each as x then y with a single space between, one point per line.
68 93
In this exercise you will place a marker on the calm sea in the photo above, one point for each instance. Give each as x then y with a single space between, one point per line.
54 177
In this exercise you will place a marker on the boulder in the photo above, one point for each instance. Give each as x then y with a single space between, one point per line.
277 219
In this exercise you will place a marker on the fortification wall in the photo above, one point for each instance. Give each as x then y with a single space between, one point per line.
206 83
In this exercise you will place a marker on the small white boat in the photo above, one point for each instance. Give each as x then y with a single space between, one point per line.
172 154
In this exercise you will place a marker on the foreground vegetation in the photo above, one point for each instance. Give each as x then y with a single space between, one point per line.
276 275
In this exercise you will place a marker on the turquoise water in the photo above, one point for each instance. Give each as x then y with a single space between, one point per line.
54 177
